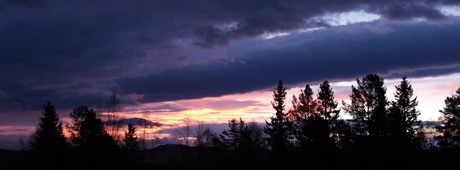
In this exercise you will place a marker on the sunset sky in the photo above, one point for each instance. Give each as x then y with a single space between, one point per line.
215 60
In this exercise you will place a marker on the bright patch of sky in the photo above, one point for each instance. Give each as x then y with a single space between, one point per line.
274 35
227 27
345 18
333 19
450 10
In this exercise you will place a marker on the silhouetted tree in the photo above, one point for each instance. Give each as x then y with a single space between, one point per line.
302 109
328 112
242 136
132 147
405 130
368 108
305 105
450 120
96 149
48 143
316 133
255 136
279 127
148 139
183 134
327 106
113 119
232 138
205 137
131 141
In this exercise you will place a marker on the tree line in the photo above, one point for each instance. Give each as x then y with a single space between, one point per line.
382 132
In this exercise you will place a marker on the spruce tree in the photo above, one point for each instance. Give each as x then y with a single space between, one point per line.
405 129
132 147
95 147
450 120
327 106
232 138
279 127
48 143
327 110
130 140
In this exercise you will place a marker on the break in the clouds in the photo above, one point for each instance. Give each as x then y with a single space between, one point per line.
76 52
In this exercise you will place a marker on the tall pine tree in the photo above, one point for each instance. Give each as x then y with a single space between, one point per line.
305 105
327 106
327 110
302 112
95 147
450 120
233 138
405 130
48 142
279 127
368 108
132 148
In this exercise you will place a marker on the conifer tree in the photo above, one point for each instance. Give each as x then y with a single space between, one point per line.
305 105
242 136
304 113
327 106
450 120
130 140
232 138
132 147
95 147
327 110
279 127
368 108
48 143
404 128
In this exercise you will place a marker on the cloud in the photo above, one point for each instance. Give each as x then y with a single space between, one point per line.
166 108
218 104
416 49
139 122
73 52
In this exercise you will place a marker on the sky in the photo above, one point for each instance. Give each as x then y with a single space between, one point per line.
215 60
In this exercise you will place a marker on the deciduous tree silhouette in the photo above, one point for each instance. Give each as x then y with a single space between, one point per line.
255 136
205 137
113 119
183 134
48 143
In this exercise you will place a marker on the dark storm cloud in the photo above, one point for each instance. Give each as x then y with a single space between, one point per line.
415 50
71 52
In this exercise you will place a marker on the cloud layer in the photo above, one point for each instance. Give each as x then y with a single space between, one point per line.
74 52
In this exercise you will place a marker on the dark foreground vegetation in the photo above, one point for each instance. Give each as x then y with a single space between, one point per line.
311 135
